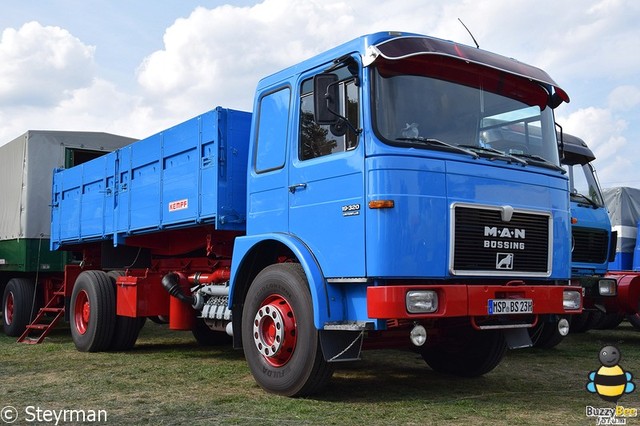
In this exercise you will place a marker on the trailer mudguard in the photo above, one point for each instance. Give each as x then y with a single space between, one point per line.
326 307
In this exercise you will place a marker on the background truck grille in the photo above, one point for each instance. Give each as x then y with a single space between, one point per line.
589 245
485 245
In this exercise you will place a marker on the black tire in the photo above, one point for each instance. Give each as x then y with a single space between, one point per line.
93 311
207 337
17 306
580 322
545 334
294 364
609 321
596 318
159 319
634 320
126 329
467 352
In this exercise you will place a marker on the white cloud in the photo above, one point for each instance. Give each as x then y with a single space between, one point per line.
215 57
96 107
624 98
39 65
605 133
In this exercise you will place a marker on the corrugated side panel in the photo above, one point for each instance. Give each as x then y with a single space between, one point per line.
190 174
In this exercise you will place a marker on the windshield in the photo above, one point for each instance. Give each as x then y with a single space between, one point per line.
584 185
447 104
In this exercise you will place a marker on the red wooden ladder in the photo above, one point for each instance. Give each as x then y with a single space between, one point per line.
45 321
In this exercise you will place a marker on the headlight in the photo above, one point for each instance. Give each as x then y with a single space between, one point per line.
422 301
571 300
607 287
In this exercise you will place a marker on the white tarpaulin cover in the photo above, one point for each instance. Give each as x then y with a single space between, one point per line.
26 166
624 210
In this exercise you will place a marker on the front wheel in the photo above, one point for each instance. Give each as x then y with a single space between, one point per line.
634 319
467 352
280 341
545 334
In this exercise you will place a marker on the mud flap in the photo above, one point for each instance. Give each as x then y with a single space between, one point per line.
341 345
517 338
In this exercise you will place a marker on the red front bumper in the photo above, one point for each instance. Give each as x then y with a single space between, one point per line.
461 300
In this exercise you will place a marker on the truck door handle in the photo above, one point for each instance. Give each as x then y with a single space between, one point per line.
294 188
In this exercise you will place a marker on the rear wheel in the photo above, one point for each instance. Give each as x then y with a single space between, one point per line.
126 329
17 306
207 337
280 341
467 352
92 311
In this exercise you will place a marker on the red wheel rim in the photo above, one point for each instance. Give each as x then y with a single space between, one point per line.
274 330
8 309
82 312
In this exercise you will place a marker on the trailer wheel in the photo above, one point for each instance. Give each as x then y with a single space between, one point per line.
467 352
126 329
17 304
280 341
93 310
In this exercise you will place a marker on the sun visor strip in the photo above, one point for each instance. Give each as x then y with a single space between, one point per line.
405 47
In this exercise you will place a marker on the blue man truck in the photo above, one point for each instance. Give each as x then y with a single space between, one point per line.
604 231
593 243
397 190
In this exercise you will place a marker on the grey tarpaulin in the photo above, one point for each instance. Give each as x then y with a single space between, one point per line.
624 210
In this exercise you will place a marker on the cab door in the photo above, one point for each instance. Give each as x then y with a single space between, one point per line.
326 183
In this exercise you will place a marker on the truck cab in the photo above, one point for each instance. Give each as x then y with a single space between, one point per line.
416 185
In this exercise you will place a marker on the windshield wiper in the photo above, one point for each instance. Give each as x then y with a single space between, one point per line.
438 142
589 201
499 154
540 161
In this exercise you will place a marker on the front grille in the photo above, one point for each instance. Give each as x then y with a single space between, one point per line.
589 245
485 245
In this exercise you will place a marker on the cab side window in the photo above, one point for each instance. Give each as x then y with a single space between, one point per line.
316 140
273 115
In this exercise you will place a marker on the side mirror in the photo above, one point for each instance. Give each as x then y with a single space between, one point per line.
325 98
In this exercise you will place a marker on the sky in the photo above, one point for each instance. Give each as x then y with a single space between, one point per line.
134 68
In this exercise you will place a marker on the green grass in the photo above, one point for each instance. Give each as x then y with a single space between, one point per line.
168 379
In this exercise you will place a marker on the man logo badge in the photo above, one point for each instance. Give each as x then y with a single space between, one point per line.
504 261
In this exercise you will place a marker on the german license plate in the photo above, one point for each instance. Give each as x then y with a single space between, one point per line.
510 306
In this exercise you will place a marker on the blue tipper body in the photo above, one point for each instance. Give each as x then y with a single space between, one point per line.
193 173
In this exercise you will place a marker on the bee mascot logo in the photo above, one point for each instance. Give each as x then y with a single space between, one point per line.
610 382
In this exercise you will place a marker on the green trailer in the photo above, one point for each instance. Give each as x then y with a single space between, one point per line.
27 267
